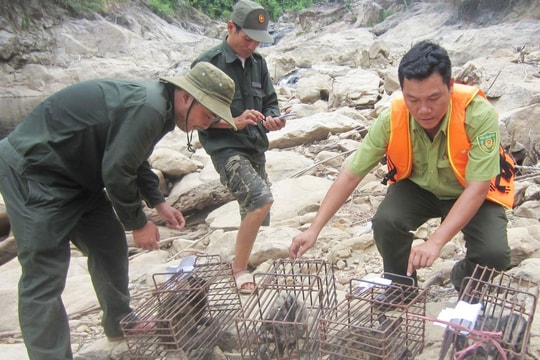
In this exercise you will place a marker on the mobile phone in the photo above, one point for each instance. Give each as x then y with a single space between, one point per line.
286 115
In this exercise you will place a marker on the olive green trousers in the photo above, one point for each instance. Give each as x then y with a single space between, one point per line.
406 206
44 220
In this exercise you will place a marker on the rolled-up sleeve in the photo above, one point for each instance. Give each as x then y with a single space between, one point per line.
373 146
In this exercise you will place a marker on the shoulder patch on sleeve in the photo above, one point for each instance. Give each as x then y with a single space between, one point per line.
488 141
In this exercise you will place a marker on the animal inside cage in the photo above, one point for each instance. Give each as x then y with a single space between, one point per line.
508 304
373 322
280 319
300 267
185 314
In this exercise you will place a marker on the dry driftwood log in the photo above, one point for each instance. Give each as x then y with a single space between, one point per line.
8 250
5 226
8 247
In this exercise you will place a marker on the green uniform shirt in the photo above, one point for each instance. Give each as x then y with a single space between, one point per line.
253 90
431 168
96 134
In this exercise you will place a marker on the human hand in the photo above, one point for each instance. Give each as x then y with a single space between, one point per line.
302 243
248 117
173 217
274 123
423 256
147 237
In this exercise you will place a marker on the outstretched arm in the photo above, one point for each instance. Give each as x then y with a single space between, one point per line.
338 193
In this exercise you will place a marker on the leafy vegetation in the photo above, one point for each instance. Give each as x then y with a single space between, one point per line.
162 7
222 8
216 9
82 7
212 8
386 13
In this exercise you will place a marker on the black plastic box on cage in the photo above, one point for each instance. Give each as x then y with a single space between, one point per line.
508 303
373 321
280 320
185 314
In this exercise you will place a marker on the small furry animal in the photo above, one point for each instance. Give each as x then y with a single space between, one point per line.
282 326
513 327
182 311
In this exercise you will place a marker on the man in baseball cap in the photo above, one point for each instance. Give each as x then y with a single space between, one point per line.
239 156
75 170
253 19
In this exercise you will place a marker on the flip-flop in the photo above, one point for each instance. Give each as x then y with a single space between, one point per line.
116 339
244 282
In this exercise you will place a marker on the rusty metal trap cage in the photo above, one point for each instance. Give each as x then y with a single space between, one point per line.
280 320
507 306
373 321
300 268
185 314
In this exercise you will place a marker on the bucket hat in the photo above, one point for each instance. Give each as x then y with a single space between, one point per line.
253 19
210 86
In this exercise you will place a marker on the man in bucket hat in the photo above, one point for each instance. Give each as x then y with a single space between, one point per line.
239 156
75 169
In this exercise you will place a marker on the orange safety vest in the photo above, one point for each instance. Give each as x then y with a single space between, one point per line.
399 150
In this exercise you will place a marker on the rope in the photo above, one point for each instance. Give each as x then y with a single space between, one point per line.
478 337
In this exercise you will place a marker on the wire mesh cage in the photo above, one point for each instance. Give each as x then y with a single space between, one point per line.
300 268
186 313
503 326
280 319
373 321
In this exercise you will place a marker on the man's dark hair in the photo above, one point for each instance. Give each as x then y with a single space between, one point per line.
424 59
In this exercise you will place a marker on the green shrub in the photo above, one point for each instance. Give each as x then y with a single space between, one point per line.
385 13
162 7
82 7
215 9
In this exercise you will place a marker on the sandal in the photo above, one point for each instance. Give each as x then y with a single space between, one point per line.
114 339
245 283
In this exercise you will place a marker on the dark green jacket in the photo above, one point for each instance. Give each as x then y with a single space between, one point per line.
96 134
253 90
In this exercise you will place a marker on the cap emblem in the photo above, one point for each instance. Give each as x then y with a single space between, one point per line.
261 18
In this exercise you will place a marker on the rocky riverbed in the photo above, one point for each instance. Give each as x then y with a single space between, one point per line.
336 68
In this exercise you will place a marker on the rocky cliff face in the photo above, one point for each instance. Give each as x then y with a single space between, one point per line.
44 47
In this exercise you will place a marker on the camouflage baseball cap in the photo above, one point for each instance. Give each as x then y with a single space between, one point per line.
253 19
210 86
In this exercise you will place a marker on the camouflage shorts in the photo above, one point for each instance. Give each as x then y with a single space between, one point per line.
247 181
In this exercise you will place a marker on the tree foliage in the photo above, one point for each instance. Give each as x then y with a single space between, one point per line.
82 7
215 9
222 8
162 7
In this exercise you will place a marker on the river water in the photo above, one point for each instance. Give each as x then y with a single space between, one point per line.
13 110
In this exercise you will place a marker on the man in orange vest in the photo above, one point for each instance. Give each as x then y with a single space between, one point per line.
441 141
